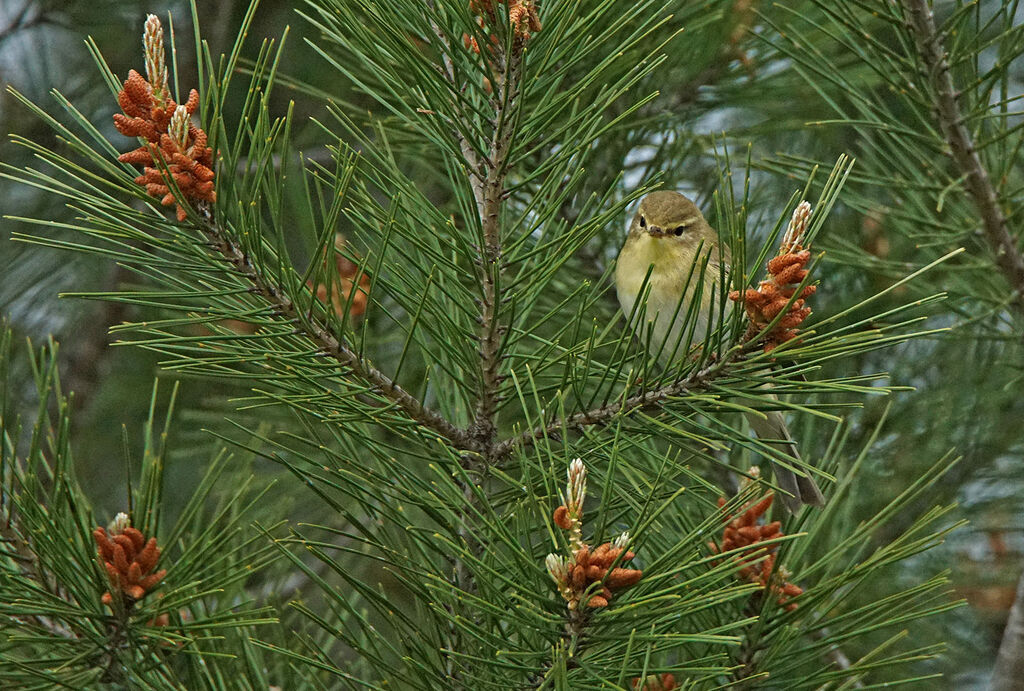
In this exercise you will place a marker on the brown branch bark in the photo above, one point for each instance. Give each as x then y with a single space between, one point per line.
977 182
1008 674
487 178
330 344
489 199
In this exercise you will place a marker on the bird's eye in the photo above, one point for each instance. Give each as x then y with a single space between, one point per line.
643 222
679 230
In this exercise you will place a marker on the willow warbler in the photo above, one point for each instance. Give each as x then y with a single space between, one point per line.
665 237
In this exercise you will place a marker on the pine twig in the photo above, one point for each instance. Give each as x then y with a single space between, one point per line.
487 178
604 414
976 180
646 400
330 344
489 194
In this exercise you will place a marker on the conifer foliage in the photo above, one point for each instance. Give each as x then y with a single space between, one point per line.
499 485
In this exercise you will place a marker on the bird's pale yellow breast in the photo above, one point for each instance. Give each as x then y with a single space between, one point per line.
670 265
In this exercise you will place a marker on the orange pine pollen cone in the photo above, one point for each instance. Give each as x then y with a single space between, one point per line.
655 682
342 287
128 559
773 295
743 531
190 167
562 519
594 566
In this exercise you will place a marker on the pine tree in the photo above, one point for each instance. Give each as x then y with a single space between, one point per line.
405 340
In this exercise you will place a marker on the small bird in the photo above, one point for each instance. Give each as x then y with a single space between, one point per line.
665 237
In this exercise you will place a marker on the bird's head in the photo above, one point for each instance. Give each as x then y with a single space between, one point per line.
669 215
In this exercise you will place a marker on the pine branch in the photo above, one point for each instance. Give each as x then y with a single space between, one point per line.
489 194
976 180
646 400
330 344
487 177
1008 674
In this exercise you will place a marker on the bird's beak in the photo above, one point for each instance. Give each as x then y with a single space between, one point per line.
655 231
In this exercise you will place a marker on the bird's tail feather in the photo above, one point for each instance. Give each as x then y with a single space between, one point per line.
797 489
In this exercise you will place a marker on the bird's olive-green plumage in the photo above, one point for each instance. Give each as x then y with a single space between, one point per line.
670 238
666 236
